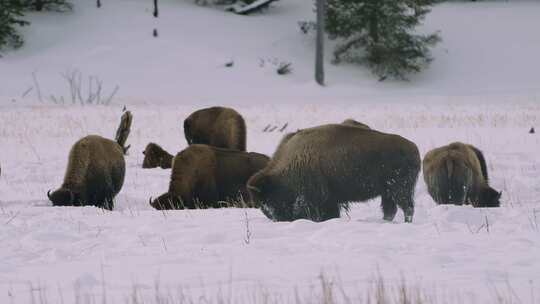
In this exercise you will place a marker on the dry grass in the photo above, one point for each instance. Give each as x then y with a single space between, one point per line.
324 291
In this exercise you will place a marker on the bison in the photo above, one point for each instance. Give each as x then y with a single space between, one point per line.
457 174
204 176
317 171
216 126
155 156
95 170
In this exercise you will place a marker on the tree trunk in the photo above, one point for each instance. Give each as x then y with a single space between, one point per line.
156 12
38 4
319 52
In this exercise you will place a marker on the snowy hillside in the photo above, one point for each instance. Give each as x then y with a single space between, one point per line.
482 88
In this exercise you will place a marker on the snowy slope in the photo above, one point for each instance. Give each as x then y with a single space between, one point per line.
488 48
483 88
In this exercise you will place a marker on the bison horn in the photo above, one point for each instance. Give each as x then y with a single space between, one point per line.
150 201
49 194
254 189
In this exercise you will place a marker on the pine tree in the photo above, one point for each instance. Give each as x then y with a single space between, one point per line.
11 12
379 34
48 5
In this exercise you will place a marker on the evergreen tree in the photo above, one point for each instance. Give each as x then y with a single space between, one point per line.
48 5
379 34
11 12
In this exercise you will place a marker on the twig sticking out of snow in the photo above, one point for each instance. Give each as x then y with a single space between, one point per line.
94 89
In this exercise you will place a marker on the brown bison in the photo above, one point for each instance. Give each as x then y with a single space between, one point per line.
155 156
95 171
457 174
216 126
203 176
316 171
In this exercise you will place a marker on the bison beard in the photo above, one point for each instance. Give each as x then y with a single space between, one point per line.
316 172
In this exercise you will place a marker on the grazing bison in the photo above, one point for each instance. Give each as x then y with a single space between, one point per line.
203 176
155 156
217 126
95 171
316 171
457 174
354 123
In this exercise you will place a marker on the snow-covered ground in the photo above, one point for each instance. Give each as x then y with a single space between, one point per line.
483 88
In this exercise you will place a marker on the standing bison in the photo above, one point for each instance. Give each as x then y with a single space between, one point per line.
314 172
457 174
216 126
95 171
203 176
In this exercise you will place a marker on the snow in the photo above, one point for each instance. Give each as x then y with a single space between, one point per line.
483 88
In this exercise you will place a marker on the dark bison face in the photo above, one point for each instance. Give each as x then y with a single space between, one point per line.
489 198
153 155
276 201
62 197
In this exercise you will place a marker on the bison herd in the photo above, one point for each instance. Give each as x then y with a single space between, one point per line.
313 174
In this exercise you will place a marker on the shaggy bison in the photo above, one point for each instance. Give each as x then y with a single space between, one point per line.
203 176
95 171
316 171
457 174
155 156
216 126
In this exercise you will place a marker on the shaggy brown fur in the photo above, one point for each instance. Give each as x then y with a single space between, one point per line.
95 171
217 126
314 172
155 156
457 174
203 176
353 123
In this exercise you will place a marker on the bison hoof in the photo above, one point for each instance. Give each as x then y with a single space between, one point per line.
408 218
388 218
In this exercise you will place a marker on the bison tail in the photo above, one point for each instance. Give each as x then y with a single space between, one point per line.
450 184
459 182
123 130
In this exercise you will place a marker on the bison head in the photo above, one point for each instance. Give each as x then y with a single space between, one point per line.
154 156
489 198
62 197
277 202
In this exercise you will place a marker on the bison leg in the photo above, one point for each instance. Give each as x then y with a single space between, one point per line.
328 210
389 206
108 203
400 194
321 210
167 201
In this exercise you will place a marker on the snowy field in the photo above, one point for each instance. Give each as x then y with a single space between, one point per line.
483 88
